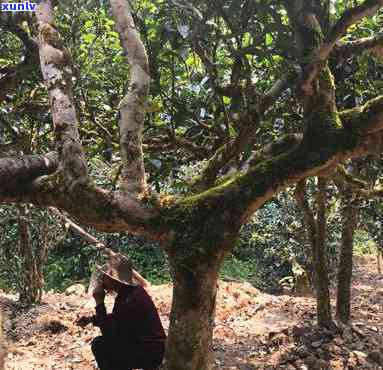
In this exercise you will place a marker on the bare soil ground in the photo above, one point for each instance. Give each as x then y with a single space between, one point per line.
254 330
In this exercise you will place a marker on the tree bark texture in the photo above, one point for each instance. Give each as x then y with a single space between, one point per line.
349 223
379 259
309 222
33 259
56 67
316 229
320 259
189 345
2 343
133 105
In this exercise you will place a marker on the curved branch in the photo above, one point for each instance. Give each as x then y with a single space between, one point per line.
342 178
270 97
319 56
13 75
104 210
229 204
223 155
9 23
21 172
372 45
133 105
56 68
349 17
367 119
293 159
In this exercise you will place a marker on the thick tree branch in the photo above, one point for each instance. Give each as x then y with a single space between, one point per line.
367 119
344 179
57 72
372 45
133 105
104 210
350 17
21 172
277 166
293 159
364 120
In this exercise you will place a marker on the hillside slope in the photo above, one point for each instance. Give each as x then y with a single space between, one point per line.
253 330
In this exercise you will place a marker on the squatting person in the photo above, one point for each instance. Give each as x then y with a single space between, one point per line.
132 335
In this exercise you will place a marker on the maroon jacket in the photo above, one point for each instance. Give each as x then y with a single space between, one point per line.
134 320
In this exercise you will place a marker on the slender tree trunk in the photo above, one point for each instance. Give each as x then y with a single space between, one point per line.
379 257
349 221
2 344
320 259
310 224
189 345
316 230
31 287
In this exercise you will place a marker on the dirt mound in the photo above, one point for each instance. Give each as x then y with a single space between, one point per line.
253 330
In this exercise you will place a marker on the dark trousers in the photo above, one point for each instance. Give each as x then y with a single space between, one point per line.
115 355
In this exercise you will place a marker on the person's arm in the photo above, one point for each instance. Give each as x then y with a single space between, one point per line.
108 323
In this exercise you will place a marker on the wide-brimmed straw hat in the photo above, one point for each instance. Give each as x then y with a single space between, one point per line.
119 268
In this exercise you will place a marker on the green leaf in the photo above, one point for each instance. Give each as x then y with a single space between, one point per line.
89 37
269 39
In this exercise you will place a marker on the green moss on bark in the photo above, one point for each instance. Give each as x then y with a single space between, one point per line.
360 120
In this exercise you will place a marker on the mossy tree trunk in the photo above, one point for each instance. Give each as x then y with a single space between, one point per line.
196 251
189 345
349 223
